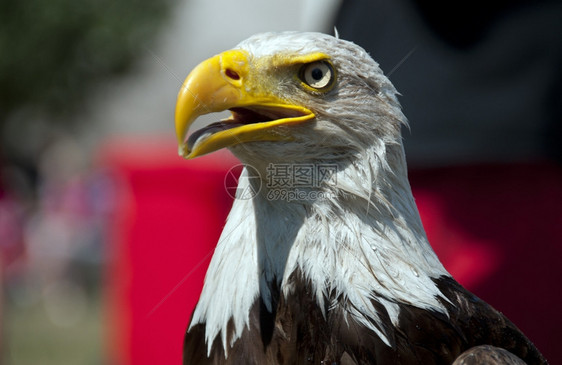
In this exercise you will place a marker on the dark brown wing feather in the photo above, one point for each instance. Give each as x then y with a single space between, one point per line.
483 325
298 333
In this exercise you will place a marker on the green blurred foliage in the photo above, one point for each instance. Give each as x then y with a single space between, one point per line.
52 51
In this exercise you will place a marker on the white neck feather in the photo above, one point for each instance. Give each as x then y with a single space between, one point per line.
366 239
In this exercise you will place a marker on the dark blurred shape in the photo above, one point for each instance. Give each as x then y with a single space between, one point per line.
554 125
463 24
483 83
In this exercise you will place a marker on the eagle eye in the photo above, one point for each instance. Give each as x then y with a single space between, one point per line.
318 75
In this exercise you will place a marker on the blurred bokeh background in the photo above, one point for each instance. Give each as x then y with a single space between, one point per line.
105 233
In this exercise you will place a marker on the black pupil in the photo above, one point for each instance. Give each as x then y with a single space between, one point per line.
317 74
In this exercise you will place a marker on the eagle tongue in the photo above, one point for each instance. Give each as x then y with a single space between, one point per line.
240 116
208 130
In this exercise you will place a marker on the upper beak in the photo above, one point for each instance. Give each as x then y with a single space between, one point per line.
221 83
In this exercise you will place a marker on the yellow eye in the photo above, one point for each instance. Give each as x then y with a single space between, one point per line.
318 75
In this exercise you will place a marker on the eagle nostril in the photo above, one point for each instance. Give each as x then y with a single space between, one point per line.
232 74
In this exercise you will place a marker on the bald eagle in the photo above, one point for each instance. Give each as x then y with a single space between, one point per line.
327 261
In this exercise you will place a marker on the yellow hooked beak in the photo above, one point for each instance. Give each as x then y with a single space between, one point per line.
223 82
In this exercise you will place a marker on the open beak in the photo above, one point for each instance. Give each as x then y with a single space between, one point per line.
223 82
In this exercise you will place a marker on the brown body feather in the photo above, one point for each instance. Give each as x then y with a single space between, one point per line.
298 333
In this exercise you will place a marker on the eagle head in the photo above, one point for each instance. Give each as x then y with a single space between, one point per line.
293 97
